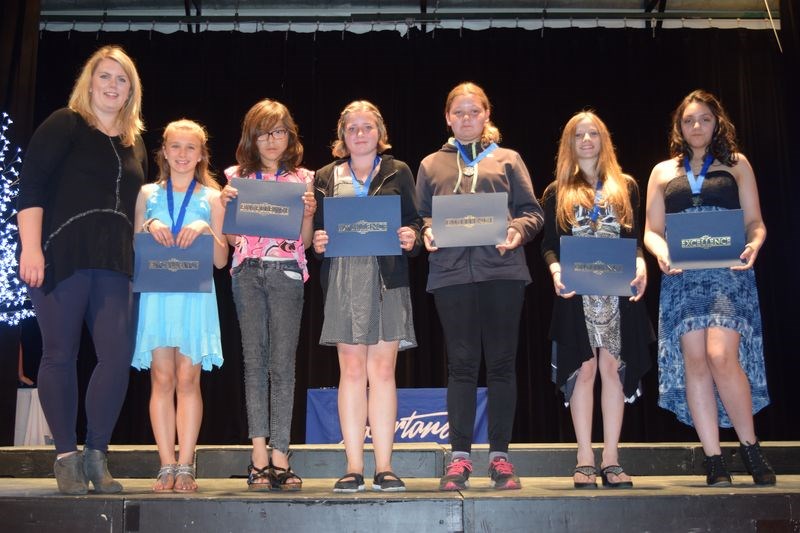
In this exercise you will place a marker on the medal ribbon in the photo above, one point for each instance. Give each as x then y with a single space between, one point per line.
281 170
362 189
697 183
473 163
177 224
598 195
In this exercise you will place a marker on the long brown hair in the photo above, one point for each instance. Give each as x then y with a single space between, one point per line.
723 141
572 187
202 172
260 119
490 133
129 118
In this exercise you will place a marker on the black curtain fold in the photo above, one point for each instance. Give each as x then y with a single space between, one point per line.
536 81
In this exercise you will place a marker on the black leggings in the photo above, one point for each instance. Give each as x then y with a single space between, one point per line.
481 315
103 299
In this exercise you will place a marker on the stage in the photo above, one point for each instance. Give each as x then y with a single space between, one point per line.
669 495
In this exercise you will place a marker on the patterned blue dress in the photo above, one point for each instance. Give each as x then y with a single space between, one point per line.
700 299
188 321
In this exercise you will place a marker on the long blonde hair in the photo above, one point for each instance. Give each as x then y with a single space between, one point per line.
202 172
129 118
573 189
490 133
339 148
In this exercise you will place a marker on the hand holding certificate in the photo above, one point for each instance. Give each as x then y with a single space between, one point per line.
705 239
362 226
265 209
159 268
598 266
470 219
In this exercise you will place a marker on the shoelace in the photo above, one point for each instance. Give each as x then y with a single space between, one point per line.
503 467
456 467
756 459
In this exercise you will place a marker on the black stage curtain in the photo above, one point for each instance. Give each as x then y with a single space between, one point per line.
536 80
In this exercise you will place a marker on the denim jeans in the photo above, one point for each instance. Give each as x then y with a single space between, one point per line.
269 302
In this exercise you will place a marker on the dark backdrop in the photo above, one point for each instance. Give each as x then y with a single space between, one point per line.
536 81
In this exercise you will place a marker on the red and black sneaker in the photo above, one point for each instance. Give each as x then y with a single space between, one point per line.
456 476
502 475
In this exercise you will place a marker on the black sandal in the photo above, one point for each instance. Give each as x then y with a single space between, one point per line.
258 479
350 482
279 478
615 470
586 470
383 482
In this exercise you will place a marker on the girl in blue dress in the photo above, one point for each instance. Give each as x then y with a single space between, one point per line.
178 333
710 349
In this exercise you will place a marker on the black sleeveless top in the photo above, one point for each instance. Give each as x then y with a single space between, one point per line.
719 189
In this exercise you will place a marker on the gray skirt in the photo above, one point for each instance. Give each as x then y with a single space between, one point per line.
358 310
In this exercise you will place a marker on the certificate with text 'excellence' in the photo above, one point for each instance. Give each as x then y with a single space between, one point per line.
705 239
362 226
265 209
158 268
598 266
470 219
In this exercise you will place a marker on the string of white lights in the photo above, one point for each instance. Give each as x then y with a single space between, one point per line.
14 301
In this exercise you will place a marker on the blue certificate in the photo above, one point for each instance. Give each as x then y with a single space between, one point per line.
705 239
598 266
362 225
158 268
265 209
470 219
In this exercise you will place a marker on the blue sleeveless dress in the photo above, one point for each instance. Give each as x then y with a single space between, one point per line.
188 321
700 299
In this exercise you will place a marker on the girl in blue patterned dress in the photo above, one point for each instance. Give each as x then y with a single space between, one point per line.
178 333
710 353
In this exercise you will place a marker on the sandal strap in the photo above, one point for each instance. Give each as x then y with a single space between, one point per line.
256 474
166 470
380 477
284 474
614 470
185 470
586 470
358 478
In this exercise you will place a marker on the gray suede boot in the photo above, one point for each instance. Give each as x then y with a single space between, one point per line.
70 476
95 465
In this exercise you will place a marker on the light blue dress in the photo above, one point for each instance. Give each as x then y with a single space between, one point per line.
188 321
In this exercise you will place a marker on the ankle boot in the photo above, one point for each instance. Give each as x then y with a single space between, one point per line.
717 474
95 465
757 464
69 474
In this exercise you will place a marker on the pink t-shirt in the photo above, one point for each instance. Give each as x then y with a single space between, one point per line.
248 246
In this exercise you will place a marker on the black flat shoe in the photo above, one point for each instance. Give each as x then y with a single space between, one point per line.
614 470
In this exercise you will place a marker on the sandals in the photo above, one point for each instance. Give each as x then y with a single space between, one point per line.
283 478
258 479
586 470
388 482
614 470
350 482
185 471
165 479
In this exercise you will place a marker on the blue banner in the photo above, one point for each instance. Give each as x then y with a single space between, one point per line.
421 417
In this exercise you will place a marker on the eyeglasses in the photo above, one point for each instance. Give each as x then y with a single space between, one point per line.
278 135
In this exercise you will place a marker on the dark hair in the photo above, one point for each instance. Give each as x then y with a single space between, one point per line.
723 142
